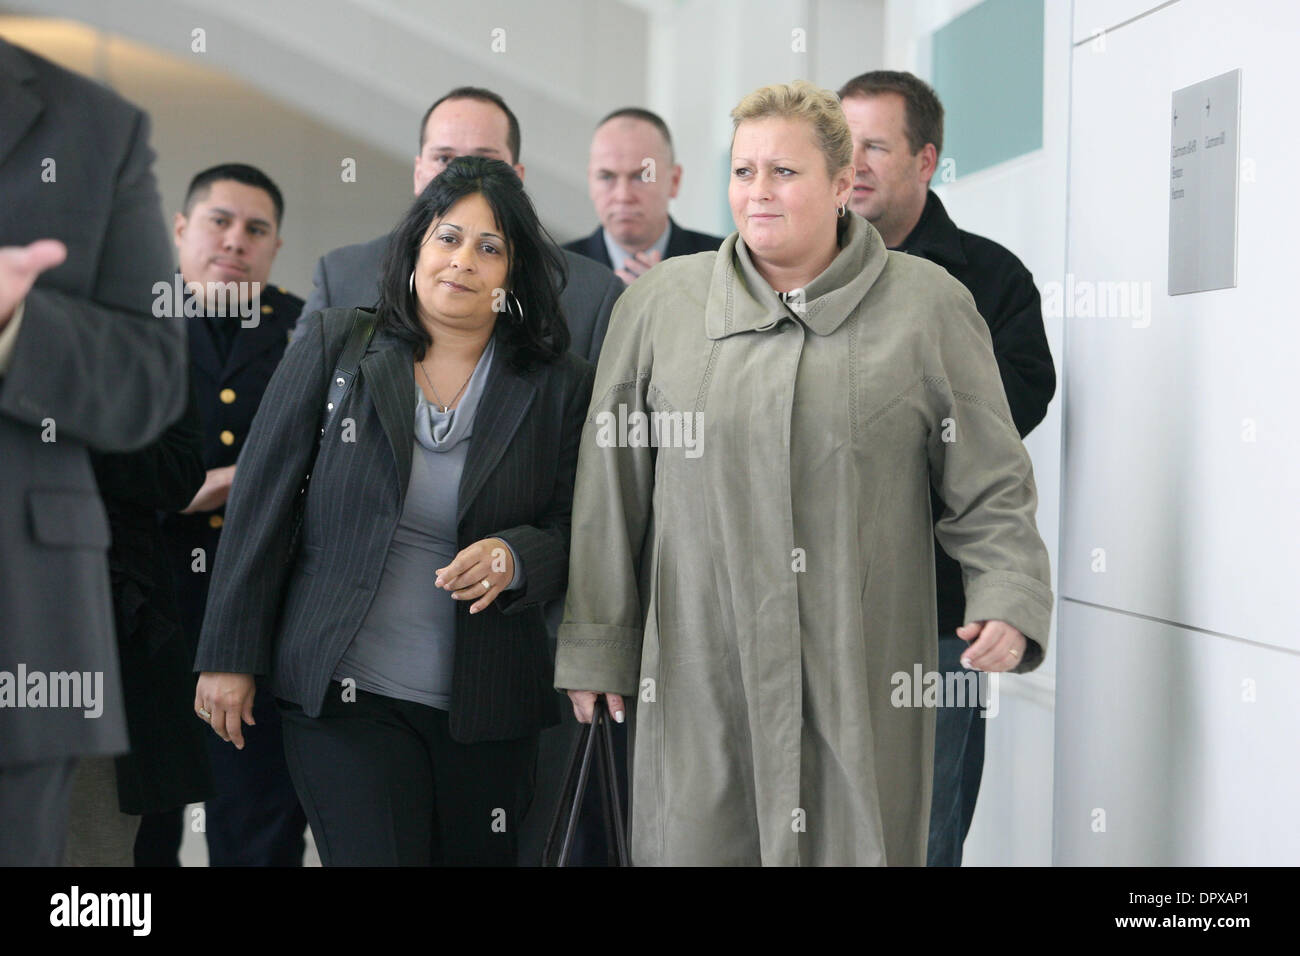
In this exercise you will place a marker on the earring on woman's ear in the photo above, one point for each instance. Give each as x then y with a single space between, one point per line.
518 314
411 284
843 209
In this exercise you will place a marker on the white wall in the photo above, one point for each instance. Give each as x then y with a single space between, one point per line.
705 55
1176 712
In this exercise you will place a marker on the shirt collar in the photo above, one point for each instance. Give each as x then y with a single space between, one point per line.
618 255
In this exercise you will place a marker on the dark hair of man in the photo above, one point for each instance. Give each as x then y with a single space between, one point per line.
483 96
542 336
201 185
922 109
645 116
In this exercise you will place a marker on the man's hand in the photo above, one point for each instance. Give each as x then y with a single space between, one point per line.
638 265
1000 647
215 490
19 267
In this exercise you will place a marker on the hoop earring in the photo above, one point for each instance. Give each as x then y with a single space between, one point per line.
843 210
411 283
519 308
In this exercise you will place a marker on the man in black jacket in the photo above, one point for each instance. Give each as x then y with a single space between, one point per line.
897 126
631 177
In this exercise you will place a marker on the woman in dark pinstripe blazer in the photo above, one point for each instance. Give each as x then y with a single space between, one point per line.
405 643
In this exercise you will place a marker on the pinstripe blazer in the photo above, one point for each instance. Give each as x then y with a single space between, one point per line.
296 622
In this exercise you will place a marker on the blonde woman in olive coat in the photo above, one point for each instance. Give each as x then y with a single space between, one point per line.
759 572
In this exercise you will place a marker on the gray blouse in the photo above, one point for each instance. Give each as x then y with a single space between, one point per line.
406 643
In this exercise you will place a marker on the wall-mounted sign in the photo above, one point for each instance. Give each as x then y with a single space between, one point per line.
1203 176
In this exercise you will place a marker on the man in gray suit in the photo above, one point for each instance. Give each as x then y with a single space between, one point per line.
468 121
84 364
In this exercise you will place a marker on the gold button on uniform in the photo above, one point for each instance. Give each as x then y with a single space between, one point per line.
216 521
267 310
227 438
227 395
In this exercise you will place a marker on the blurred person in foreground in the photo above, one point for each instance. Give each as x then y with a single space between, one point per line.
752 538
85 366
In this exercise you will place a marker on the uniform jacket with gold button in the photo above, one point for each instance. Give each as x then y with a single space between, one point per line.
228 395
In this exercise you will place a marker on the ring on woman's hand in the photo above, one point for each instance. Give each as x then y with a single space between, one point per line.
486 586
204 714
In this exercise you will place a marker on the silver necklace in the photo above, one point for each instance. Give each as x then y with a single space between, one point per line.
444 408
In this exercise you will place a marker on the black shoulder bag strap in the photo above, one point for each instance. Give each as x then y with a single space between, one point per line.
349 361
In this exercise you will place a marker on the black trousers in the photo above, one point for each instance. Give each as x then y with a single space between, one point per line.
384 784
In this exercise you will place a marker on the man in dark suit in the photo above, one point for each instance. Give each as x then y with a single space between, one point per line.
897 126
468 121
632 176
227 237
84 364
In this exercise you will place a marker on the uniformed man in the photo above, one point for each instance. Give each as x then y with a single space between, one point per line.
226 238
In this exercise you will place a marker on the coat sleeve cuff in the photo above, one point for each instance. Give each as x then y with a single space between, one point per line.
600 657
1021 601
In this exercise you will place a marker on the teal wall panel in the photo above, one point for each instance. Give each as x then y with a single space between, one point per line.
987 67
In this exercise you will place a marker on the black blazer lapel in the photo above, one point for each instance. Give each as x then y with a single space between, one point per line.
389 375
506 398
593 247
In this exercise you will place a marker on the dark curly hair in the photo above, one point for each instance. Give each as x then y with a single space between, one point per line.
537 272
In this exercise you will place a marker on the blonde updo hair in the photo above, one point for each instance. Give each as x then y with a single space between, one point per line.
801 100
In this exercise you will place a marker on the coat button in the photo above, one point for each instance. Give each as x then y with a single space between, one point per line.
227 438
267 310
227 396
216 521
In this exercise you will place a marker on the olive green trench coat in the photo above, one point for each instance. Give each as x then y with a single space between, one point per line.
759 571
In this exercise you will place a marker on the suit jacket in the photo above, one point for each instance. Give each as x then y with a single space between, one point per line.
348 278
228 394
91 368
681 242
168 763
296 622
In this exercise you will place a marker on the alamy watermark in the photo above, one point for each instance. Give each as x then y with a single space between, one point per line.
1086 299
82 690
936 689
638 429
219 300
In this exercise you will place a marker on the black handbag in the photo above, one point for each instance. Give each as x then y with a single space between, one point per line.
594 744
363 330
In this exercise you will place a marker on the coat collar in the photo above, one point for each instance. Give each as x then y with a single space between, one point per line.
20 104
740 300
935 236
387 369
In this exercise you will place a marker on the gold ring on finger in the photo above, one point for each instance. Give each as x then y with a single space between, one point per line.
204 713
